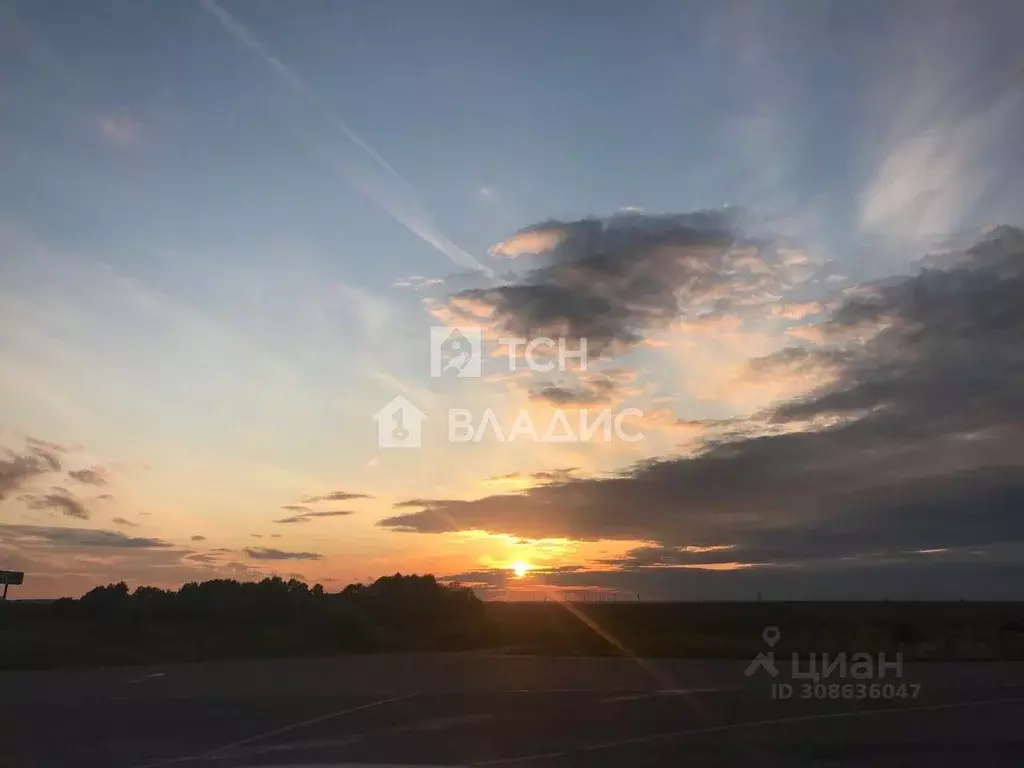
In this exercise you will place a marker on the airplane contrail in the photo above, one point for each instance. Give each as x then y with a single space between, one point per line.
416 222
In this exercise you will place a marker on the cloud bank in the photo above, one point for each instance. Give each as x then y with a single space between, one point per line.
914 442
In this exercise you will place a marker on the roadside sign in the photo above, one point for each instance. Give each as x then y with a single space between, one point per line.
7 578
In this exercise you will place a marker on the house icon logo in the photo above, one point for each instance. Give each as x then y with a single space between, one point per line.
399 424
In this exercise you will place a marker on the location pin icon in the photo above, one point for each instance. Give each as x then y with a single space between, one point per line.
771 635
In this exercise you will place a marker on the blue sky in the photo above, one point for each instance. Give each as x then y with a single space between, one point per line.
215 218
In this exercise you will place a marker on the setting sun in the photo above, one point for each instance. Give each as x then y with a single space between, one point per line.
521 568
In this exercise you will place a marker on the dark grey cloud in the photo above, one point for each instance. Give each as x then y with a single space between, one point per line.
18 468
197 537
335 496
613 280
544 476
264 553
296 508
243 570
59 500
916 443
949 358
47 448
416 503
307 516
75 537
595 391
90 476
331 513
123 521
556 569
206 558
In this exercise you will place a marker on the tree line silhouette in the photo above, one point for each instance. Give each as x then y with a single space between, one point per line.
224 618
227 618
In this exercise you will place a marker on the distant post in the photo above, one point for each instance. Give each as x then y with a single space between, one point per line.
7 578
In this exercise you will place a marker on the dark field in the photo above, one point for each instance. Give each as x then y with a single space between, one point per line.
222 620
924 630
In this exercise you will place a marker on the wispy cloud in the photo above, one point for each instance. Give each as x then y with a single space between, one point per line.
59 500
307 516
264 553
91 476
948 120
18 468
388 188
76 537
931 179
418 283
333 496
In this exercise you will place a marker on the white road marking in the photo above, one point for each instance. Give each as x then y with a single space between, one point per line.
276 732
295 746
359 765
545 690
739 726
665 692
557 690
311 721
147 677
433 724
440 723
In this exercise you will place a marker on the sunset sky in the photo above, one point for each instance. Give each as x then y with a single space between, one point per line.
786 231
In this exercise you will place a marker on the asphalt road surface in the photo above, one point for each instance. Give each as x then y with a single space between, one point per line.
480 710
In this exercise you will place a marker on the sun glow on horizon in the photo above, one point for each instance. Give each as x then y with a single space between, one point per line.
521 568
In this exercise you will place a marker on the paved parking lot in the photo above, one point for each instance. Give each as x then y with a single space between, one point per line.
468 711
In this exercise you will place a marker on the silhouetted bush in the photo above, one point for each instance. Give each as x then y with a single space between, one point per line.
227 618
